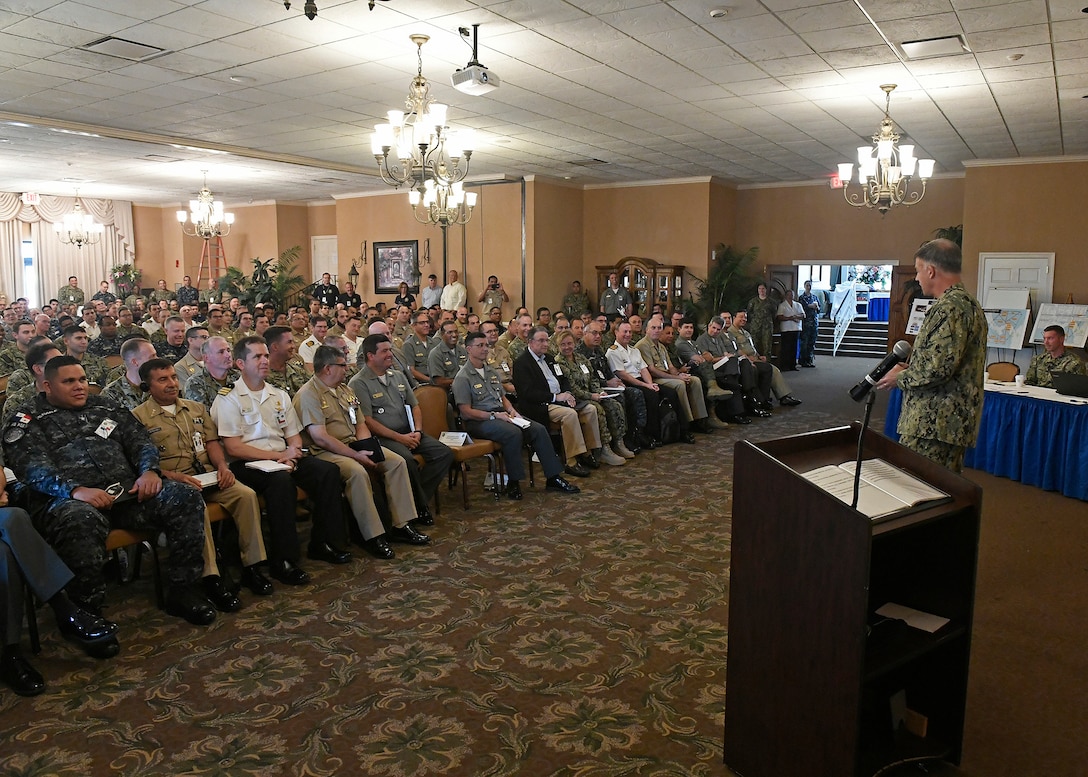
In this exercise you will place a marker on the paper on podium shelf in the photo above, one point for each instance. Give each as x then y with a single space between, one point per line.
913 618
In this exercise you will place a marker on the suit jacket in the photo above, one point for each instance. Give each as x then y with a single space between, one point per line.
534 396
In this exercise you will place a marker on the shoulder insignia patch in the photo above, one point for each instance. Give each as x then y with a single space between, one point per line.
224 391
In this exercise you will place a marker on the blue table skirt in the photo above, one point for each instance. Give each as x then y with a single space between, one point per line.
878 308
1037 442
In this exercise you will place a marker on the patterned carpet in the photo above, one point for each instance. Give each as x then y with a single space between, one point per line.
561 635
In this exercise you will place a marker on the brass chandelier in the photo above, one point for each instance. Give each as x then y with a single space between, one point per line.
417 149
205 218
886 169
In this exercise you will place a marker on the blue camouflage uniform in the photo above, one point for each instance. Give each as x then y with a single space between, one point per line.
54 451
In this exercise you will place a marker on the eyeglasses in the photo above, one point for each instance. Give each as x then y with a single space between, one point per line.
340 364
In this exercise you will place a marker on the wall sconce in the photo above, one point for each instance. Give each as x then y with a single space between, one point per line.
353 275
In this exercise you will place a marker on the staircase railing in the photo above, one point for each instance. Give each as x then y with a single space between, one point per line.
843 314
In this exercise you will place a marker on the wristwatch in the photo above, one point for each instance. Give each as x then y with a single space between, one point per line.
492 418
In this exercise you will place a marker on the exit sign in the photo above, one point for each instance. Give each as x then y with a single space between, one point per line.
836 182
31 198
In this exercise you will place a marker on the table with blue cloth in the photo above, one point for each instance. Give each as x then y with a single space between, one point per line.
1027 434
878 308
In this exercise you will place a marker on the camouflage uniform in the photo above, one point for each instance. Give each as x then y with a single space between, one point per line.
128 331
575 304
584 382
69 295
123 393
11 359
293 377
942 387
761 313
172 353
1039 370
517 347
106 346
96 368
633 400
161 295
499 357
55 451
187 295
18 379
203 387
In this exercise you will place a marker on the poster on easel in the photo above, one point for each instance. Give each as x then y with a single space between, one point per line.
1007 328
1072 318
918 310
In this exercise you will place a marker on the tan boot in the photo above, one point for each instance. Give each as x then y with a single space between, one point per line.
714 391
608 457
622 450
716 423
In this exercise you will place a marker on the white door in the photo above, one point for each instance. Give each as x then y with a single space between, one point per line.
323 256
1000 272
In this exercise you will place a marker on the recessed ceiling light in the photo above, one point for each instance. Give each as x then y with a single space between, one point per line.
243 79
1014 57
719 13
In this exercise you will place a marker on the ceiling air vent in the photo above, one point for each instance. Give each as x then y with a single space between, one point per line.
588 162
935 47
124 49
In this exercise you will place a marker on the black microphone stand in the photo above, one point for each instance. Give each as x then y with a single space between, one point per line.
870 398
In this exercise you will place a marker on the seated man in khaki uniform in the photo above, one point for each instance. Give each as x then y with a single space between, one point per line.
189 445
332 422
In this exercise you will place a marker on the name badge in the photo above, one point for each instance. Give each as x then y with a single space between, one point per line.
585 368
377 396
198 442
105 428
558 370
351 415
281 417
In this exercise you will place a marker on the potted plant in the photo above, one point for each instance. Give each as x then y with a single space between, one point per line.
727 285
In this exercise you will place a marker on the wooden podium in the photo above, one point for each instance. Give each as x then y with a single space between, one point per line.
812 674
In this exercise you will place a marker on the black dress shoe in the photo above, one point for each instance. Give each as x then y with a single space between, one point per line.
759 412
218 594
738 419
107 648
287 572
513 491
589 461
425 518
84 628
408 535
255 581
576 470
689 438
20 676
183 601
789 400
558 484
326 552
378 547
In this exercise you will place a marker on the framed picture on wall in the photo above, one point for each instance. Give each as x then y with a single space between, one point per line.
396 263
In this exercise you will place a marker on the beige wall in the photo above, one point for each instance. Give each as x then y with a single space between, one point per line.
557 231
812 223
1037 208
570 231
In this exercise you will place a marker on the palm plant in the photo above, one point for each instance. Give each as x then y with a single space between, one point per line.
727 285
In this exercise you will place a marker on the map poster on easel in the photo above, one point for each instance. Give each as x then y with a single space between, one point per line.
1072 318
918 311
1007 328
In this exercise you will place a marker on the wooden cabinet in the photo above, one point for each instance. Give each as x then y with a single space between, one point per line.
813 675
648 282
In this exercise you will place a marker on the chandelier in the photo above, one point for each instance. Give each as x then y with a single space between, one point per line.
205 216
78 228
427 155
886 169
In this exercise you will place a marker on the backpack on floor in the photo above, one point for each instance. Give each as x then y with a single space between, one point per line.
670 423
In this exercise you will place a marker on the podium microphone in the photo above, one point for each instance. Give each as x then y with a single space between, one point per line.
900 353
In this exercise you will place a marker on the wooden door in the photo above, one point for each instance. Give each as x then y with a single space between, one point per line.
905 290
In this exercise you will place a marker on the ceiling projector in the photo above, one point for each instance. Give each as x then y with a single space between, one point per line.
475 80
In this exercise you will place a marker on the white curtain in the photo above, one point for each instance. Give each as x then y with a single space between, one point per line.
56 260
